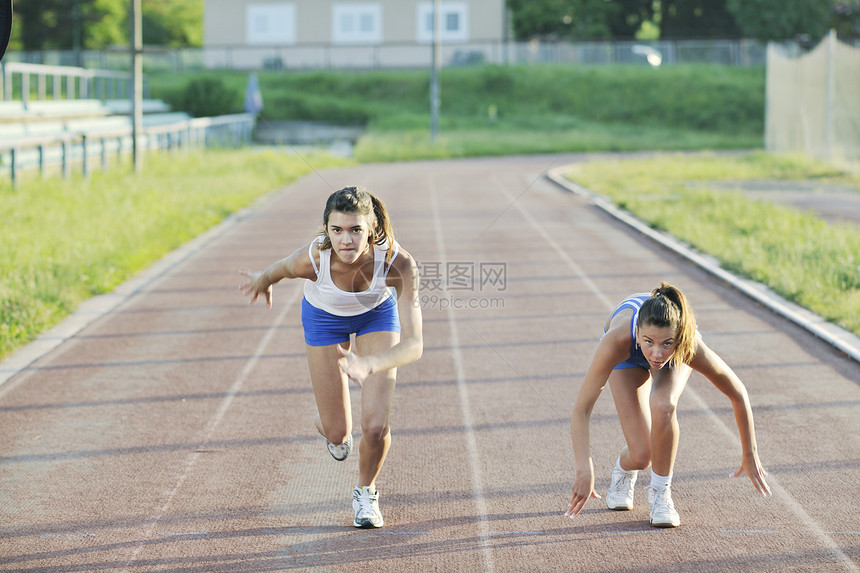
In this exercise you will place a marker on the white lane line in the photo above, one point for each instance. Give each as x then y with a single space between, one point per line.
181 534
402 532
216 418
844 532
748 531
611 531
778 490
469 428
541 532
586 280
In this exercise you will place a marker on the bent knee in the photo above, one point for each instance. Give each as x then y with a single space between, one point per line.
374 431
662 409
336 435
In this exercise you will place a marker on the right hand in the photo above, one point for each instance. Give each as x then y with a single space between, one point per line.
583 489
254 286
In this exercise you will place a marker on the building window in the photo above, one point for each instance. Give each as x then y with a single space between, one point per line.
357 24
270 24
453 22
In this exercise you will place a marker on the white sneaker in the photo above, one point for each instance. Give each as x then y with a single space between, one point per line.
340 452
366 507
621 488
663 512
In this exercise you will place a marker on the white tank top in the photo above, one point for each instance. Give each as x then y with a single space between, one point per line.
325 295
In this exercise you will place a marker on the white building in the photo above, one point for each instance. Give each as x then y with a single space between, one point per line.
343 33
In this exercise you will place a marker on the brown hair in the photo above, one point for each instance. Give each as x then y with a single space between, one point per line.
668 307
359 201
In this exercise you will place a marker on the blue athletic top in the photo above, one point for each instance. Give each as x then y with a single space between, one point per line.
636 358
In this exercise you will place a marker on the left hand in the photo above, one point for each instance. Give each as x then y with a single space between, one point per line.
354 366
751 466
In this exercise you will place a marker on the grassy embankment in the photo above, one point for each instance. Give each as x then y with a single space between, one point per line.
65 241
494 110
800 256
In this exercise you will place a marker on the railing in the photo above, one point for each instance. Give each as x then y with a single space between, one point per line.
318 55
64 149
62 82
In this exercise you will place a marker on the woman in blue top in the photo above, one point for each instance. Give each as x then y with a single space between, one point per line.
648 350
358 282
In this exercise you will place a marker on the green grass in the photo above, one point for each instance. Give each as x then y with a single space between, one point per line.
796 253
380 146
67 240
498 110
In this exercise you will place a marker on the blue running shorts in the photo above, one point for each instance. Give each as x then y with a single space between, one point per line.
323 328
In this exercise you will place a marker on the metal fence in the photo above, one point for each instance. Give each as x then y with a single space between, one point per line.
412 55
62 82
62 150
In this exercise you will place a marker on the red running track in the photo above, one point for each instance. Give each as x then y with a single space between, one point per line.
173 432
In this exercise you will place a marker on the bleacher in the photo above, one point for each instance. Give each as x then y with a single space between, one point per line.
79 116
48 126
27 126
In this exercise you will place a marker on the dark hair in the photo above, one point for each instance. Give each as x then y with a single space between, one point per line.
359 201
668 307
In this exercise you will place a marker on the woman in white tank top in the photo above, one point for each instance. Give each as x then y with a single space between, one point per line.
359 285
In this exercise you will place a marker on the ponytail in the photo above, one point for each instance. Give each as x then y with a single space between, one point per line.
382 233
668 307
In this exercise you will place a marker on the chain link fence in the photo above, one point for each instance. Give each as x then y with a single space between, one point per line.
410 55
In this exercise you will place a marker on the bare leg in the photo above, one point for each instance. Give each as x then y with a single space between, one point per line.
666 390
377 394
334 417
629 390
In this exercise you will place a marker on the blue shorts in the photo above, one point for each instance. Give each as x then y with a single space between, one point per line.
323 328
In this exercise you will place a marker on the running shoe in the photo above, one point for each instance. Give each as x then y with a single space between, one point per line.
621 488
340 452
366 507
663 512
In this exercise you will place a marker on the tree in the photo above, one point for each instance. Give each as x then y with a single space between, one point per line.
173 23
63 24
561 19
98 24
697 19
628 17
845 18
781 19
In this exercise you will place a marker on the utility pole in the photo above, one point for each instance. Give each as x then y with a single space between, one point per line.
76 33
136 84
830 93
434 73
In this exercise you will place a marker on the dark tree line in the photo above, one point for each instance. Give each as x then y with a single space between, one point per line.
679 19
98 24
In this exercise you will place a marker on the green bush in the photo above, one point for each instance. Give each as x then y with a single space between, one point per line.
206 97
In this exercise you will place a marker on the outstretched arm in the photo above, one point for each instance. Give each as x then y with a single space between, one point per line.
257 283
714 368
613 348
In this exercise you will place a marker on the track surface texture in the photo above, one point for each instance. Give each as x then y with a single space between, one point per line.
174 432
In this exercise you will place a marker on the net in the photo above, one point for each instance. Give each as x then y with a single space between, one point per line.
812 102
